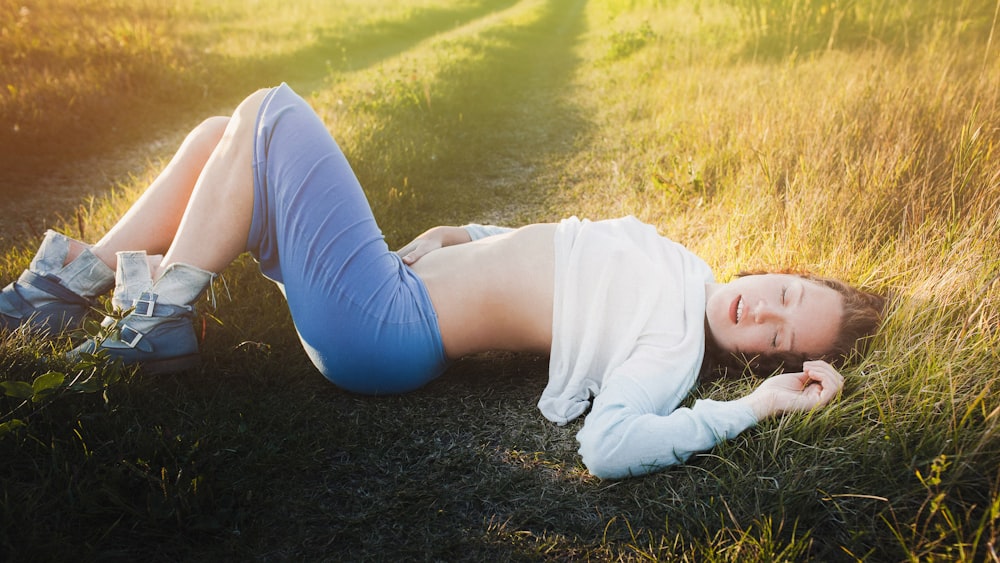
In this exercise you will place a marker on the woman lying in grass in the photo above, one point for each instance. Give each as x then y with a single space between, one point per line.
624 314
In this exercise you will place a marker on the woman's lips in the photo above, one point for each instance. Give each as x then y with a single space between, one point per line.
734 309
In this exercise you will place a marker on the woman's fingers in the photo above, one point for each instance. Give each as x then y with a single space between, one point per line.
408 253
816 385
417 249
826 376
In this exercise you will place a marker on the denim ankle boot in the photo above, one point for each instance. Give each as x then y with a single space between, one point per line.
157 333
50 297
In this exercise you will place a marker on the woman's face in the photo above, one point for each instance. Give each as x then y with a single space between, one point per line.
769 313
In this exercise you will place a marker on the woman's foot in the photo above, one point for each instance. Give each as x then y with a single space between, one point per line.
53 296
157 331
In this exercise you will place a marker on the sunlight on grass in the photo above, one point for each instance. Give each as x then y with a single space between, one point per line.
268 28
418 90
853 139
872 165
67 66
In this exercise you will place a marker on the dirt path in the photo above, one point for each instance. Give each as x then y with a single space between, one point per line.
36 190
498 170
537 123
330 462
541 124
517 125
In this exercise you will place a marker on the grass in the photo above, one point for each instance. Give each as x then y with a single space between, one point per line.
867 152
82 80
91 57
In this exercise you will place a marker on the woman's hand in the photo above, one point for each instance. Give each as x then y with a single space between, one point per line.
814 387
431 240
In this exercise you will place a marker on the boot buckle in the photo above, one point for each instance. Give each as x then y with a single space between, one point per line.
129 336
144 305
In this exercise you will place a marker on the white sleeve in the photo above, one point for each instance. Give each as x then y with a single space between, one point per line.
477 231
635 426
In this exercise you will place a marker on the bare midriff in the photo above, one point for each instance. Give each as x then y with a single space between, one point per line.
495 293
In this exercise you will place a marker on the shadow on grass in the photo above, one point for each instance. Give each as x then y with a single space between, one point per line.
307 68
53 171
256 455
487 144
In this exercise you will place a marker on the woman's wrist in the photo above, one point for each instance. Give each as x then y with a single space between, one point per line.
450 236
756 404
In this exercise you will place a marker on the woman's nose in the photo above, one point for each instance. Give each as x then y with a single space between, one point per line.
764 312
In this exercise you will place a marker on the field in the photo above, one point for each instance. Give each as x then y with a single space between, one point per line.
852 138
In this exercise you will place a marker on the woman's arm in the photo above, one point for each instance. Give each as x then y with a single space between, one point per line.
477 231
814 387
624 435
628 432
440 237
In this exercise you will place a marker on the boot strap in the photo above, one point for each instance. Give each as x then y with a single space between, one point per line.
131 337
50 284
126 335
13 305
147 306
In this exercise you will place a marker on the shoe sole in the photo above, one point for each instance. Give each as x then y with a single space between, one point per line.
170 365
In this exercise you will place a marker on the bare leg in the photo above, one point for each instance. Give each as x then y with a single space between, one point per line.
151 223
212 230
205 192
216 223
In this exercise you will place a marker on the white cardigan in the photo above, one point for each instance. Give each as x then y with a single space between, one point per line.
628 331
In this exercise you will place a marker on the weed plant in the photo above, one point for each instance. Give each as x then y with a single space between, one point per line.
756 134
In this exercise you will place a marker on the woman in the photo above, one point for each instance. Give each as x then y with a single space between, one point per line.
623 312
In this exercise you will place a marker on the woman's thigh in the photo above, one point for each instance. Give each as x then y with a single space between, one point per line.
364 318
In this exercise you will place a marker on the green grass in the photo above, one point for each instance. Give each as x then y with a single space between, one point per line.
868 152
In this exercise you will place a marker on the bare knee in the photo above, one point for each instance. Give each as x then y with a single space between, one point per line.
240 130
211 130
246 112
213 126
207 134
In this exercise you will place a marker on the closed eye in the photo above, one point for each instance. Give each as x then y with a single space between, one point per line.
784 290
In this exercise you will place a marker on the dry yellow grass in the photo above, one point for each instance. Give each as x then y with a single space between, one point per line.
869 152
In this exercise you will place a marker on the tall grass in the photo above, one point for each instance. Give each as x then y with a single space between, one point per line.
784 27
79 77
867 152
60 55
876 163
436 134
